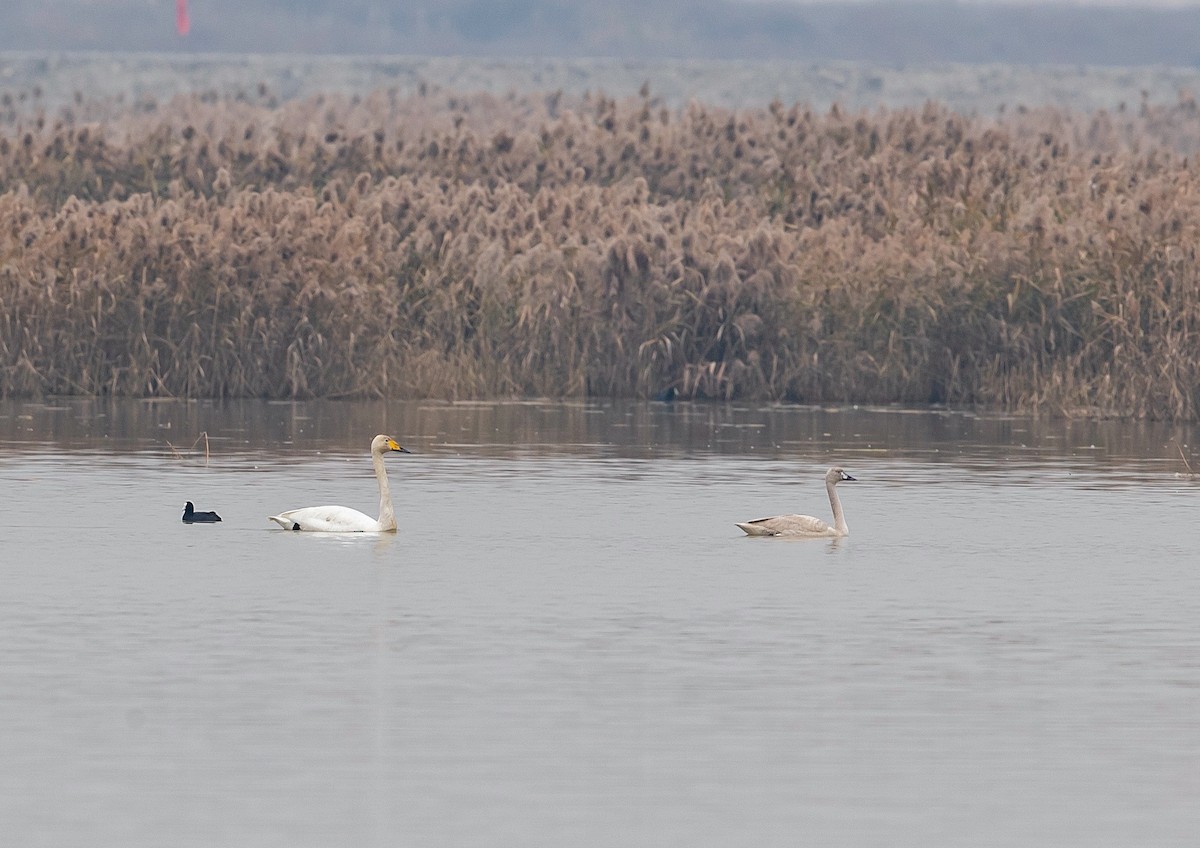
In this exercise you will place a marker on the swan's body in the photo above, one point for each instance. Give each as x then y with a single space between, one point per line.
806 525
343 519
190 516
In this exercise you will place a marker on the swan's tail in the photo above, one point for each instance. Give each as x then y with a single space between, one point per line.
753 529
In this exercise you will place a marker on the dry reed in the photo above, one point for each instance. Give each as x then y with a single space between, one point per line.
473 246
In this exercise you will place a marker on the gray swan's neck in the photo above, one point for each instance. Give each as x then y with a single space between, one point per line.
839 519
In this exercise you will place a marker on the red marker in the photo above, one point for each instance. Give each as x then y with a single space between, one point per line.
182 24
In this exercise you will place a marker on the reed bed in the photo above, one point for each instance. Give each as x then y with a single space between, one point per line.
472 246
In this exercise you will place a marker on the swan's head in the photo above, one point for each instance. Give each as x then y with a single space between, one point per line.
837 475
382 444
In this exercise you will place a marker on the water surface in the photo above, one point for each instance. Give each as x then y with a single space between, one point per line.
569 643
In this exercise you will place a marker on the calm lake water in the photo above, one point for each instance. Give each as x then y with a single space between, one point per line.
568 643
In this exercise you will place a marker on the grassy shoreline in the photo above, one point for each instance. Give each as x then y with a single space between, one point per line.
471 246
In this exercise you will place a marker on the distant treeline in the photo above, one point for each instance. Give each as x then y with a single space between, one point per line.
883 31
471 246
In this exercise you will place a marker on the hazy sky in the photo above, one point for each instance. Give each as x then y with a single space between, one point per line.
906 31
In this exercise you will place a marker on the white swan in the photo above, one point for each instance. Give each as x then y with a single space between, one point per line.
343 519
806 525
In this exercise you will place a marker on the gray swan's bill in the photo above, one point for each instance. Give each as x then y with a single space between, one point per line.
343 519
806 525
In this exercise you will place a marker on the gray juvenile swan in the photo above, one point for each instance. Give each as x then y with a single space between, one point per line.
806 525
343 519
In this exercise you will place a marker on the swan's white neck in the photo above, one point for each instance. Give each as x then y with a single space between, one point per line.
387 517
839 520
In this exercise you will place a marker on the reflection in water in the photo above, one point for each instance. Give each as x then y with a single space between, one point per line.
625 429
379 543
